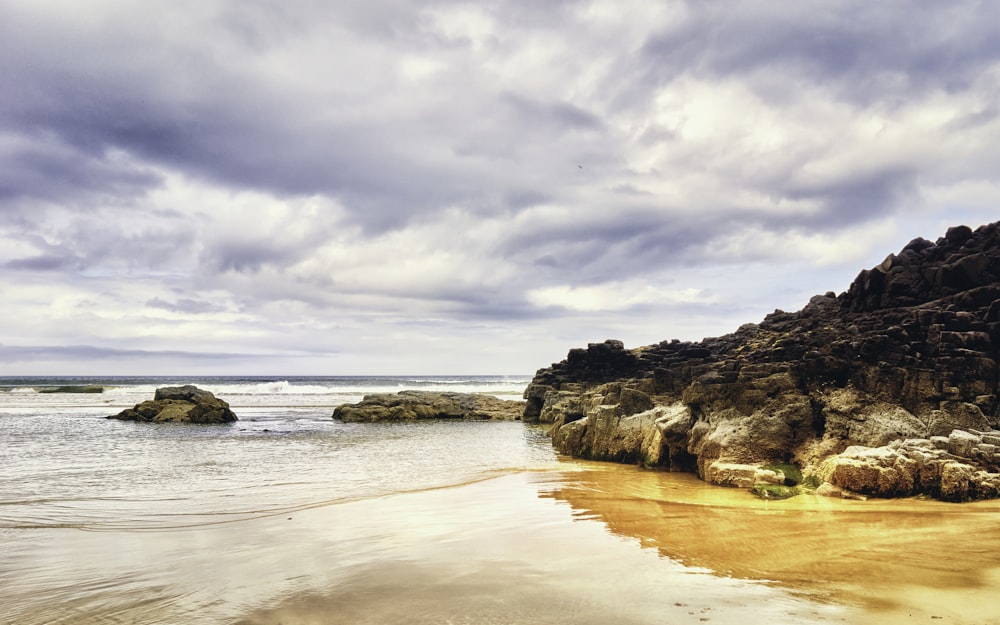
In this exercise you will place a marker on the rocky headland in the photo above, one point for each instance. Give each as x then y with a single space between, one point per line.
411 405
179 404
888 389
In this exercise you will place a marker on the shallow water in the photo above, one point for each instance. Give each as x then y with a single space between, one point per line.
902 561
505 551
289 517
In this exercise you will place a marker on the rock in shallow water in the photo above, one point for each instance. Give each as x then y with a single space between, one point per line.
179 404
411 405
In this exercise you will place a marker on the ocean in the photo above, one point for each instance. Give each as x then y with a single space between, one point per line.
287 516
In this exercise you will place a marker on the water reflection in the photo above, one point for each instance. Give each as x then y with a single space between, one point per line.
495 552
899 558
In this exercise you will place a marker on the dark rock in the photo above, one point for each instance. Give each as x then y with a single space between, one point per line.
908 352
83 389
179 404
411 405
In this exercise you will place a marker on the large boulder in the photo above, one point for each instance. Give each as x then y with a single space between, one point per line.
179 404
908 352
411 405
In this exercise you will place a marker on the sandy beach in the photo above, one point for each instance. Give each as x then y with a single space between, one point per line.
515 550
896 561
642 546
588 543
289 517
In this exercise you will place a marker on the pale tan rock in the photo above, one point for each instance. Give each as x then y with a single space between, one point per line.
728 474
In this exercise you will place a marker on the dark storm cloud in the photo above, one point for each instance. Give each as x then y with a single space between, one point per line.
169 102
862 51
79 239
33 353
89 93
42 263
248 257
862 197
560 115
623 242
58 173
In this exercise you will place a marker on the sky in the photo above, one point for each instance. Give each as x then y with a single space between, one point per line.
332 187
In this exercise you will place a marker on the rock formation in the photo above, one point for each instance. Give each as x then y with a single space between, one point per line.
76 389
409 405
179 404
887 389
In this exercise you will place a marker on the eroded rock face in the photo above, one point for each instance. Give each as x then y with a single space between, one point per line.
959 467
180 404
909 351
410 405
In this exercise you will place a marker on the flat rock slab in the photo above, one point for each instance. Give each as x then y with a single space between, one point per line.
410 405
179 404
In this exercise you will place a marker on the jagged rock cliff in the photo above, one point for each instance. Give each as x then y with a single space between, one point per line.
907 353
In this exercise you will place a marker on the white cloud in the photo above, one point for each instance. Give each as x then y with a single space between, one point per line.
397 184
616 296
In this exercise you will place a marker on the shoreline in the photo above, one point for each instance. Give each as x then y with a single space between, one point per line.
516 554
535 538
583 542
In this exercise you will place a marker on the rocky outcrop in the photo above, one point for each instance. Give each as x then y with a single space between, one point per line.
179 404
410 405
908 352
958 467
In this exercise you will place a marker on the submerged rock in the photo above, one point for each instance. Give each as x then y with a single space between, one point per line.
410 405
907 353
180 404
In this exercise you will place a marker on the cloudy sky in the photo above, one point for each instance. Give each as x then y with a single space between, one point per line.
436 186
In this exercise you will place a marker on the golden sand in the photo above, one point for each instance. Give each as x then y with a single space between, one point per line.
587 543
901 561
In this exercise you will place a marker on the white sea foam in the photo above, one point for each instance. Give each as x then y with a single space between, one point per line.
268 396
279 387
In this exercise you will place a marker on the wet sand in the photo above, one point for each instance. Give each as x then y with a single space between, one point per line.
512 550
588 543
722 556
899 561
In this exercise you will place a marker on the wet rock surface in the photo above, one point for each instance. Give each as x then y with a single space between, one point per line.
411 405
907 353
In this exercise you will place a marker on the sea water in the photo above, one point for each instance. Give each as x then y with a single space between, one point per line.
66 465
287 516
